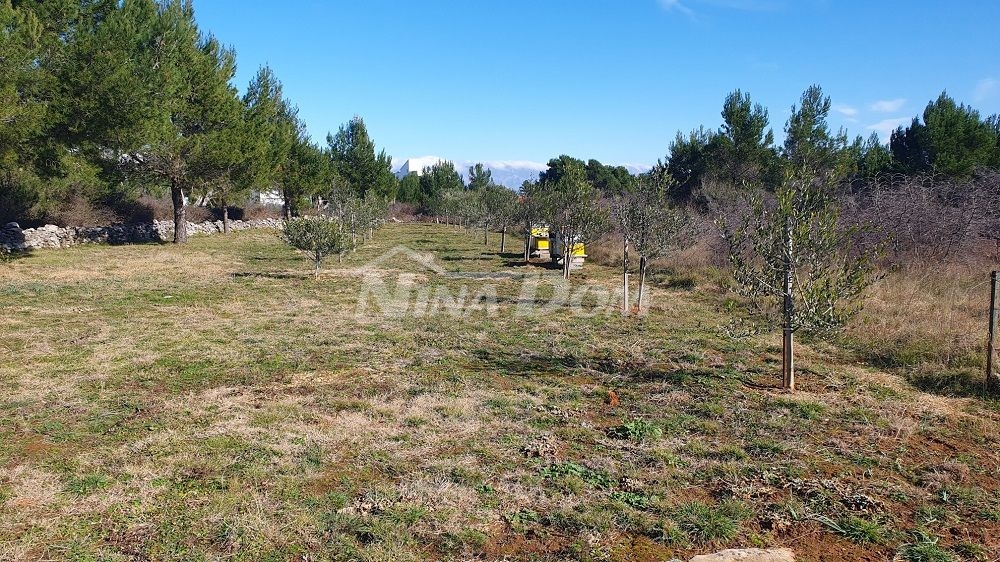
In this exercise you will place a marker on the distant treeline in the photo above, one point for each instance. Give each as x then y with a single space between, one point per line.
102 101
950 140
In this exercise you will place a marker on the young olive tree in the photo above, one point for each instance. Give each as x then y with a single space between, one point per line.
795 263
650 225
530 210
372 212
319 237
498 205
573 207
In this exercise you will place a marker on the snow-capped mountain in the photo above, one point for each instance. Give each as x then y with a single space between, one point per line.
510 173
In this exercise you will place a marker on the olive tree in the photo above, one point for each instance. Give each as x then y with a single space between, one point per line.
530 209
498 206
649 224
795 263
318 237
573 207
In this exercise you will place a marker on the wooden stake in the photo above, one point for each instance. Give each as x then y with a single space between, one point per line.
625 275
787 344
991 341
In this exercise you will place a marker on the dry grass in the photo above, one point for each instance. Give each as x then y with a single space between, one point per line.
215 402
931 321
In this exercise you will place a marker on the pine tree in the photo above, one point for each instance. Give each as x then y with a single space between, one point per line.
743 151
479 177
150 90
273 118
355 160
810 149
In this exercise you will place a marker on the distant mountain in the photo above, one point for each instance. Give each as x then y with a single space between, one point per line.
510 173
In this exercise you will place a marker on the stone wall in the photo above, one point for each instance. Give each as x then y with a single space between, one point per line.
13 237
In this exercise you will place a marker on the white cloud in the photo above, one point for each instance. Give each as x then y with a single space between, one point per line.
747 5
676 5
986 89
742 5
850 113
888 106
885 127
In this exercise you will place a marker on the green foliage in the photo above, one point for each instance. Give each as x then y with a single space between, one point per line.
811 150
637 430
272 121
409 189
647 220
743 150
559 167
354 159
317 236
151 92
798 233
634 499
688 162
86 484
611 180
436 182
24 112
596 478
705 524
924 548
952 140
861 531
480 177
498 205
571 206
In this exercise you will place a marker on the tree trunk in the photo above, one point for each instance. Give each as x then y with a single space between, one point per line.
225 216
567 258
788 305
180 213
527 245
486 236
503 240
625 276
354 233
642 283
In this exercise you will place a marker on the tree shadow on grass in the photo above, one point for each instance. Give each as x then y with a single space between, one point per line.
8 257
274 274
267 258
540 363
956 384
519 262
510 256
465 258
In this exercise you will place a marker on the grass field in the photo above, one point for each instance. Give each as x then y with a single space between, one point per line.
217 401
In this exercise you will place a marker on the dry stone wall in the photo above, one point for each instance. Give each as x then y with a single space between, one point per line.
13 237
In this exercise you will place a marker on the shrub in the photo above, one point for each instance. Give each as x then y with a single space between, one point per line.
636 430
706 524
317 236
861 531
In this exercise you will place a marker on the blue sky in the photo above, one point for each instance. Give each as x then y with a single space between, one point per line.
606 79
